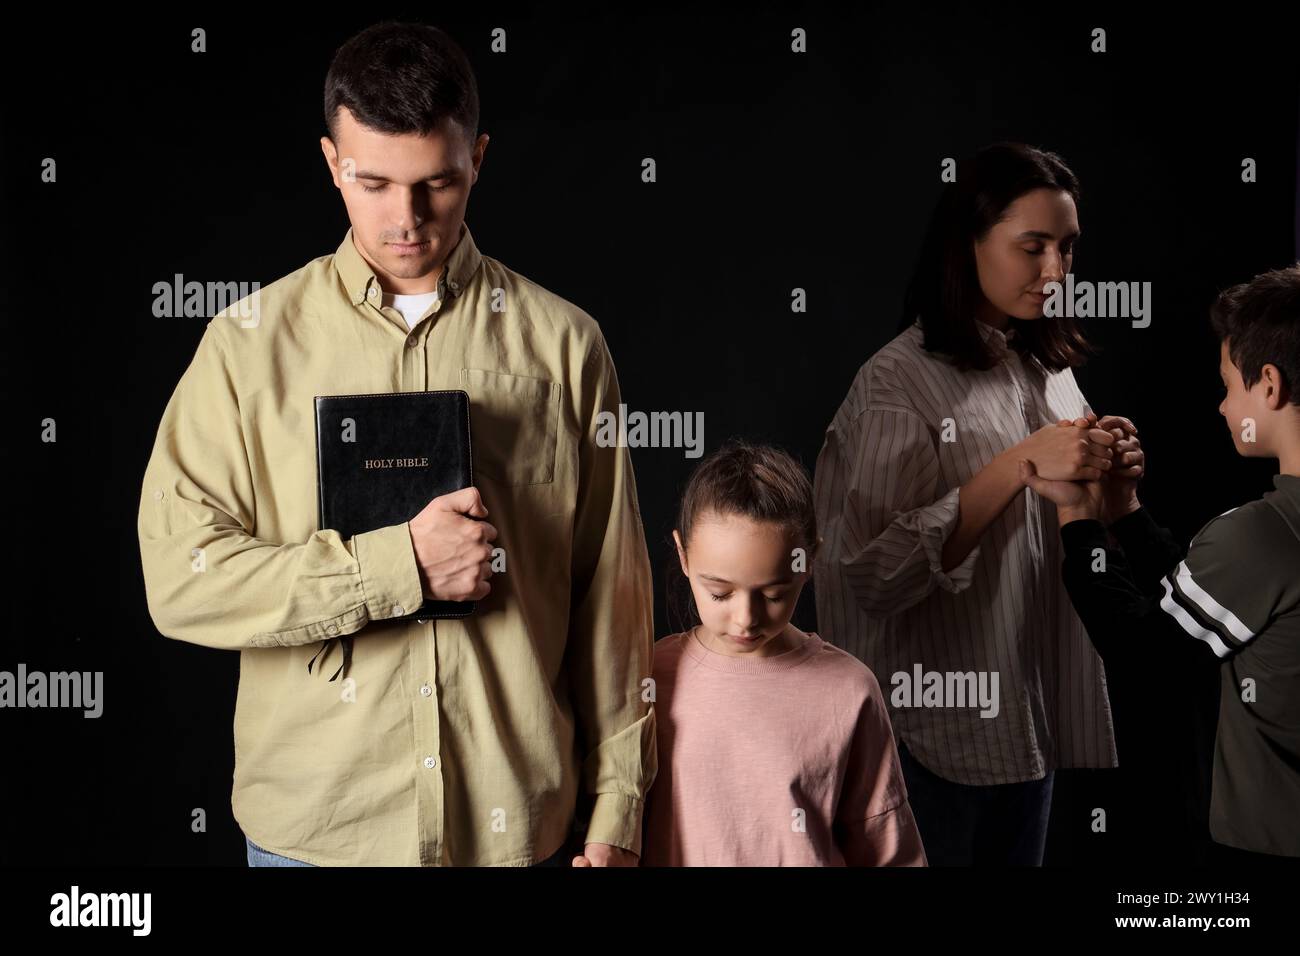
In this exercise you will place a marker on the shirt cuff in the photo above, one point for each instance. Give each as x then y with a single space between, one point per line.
1083 536
933 524
1135 524
390 576
616 820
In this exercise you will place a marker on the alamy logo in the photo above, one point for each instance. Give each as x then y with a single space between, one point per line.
655 430
1099 300
38 689
103 909
921 688
197 300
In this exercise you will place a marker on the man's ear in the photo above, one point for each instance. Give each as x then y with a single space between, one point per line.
1276 394
476 155
331 159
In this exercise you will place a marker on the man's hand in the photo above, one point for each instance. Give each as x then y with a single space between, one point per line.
453 547
1073 499
602 854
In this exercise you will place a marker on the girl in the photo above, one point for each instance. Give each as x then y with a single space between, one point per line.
774 747
937 561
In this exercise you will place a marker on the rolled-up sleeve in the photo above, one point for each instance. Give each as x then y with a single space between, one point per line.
895 521
611 632
208 579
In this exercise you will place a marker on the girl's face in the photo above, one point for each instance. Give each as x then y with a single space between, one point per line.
1032 246
745 586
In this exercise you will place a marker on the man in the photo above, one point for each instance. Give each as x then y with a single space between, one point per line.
451 741
1232 598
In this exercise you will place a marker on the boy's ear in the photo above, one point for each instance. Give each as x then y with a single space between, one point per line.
1276 394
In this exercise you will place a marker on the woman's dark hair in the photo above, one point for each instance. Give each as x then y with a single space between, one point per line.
402 78
1260 321
944 293
754 481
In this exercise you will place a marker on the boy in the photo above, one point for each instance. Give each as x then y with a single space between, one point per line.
1233 596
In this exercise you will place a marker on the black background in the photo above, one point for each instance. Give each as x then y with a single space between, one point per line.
775 171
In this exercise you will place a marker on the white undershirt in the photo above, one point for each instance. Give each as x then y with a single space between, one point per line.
411 306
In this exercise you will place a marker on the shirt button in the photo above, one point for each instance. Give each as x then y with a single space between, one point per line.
373 293
410 343
430 762
331 629
398 610
426 690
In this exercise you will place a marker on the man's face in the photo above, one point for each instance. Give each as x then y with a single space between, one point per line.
405 195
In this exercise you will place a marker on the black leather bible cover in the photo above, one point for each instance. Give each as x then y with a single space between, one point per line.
380 458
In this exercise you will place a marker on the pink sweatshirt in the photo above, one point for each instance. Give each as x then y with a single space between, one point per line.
786 760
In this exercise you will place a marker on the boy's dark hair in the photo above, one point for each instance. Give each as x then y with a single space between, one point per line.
1260 320
760 482
402 78
944 291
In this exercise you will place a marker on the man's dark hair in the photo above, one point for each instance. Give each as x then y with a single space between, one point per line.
944 292
1260 320
402 78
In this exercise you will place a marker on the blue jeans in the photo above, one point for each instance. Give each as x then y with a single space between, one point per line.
961 825
259 857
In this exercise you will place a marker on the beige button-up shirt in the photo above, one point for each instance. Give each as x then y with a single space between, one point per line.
452 741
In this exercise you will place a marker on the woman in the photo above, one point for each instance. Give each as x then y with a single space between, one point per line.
940 572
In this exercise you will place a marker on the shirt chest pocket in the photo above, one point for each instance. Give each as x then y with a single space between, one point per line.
514 425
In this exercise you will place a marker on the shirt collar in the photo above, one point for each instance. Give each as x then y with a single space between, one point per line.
1001 341
359 279
990 334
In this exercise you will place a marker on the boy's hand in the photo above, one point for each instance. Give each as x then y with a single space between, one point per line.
1119 486
1130 464
602 854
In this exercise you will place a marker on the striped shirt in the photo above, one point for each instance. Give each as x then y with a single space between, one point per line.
911 431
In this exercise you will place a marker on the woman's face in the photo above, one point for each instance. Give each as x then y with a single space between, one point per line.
1032 246
743 578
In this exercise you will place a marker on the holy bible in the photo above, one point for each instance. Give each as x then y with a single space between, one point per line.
380 458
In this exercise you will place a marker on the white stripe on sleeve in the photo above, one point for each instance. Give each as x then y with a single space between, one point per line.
1189 623
1210 607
